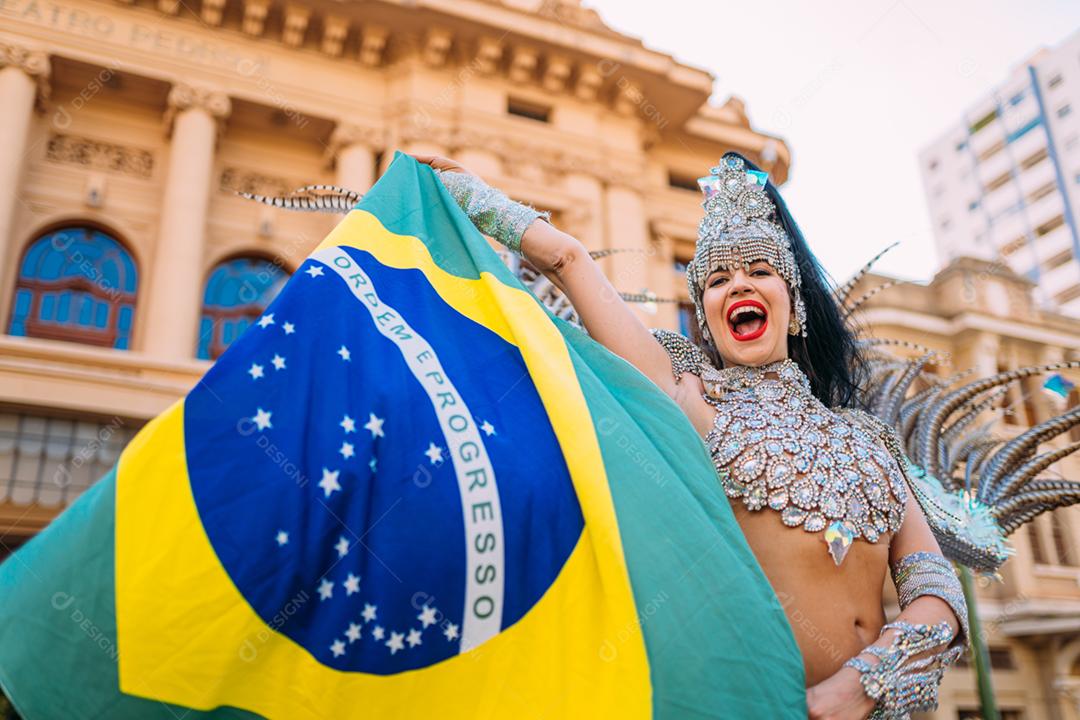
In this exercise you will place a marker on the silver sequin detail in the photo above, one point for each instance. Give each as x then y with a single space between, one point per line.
491 211
781 448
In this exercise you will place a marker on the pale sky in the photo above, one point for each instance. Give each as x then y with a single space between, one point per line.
857 88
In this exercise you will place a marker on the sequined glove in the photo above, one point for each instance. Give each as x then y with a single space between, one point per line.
899 684
925 573
490 210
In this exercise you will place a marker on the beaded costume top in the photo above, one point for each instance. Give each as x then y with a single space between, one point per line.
775 445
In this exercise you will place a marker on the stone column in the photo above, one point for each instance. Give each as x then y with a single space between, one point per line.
585 219
353 148
174 293
23 77
627 229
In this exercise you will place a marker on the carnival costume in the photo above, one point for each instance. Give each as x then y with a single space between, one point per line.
841 472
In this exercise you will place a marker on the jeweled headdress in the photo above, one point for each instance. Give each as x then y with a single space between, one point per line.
741 226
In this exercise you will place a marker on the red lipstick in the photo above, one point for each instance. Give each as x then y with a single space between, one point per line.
747 337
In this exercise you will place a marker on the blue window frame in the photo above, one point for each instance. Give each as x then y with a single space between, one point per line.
76 283
237 292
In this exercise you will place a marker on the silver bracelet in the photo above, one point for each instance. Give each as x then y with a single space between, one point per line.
898 684
925 573
490 210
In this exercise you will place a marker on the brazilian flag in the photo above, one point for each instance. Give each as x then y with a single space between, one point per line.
407 491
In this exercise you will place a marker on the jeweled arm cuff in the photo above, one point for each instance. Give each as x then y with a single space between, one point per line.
898 683
490 210
685 355
925 573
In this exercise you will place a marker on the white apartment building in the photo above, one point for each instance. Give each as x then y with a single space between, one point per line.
1003 183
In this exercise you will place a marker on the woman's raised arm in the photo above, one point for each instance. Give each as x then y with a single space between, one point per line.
608 318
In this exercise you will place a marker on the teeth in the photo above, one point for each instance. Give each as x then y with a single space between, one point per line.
737 312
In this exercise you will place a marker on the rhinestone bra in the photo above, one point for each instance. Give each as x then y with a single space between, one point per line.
776 445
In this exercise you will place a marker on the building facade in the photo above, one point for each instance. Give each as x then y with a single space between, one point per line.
986 317
1003 183
127 263
126 260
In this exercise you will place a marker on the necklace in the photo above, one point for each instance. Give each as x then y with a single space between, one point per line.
776 445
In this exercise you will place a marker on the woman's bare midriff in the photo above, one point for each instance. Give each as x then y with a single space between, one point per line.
834 611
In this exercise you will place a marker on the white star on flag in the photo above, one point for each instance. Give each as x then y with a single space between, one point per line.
371 464
369 612
342 547
279 362
344 353
353 633
289 328
375 426
395 642
348 424
488 428
314 271
262 419
434 453
338 648
451 631
352 584
378 633
414 638
346 450
255 371
282 537
329 482
427 616
326 589
266 321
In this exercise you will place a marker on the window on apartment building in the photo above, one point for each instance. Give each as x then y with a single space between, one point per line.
236 293
1034 159
973 206
1050 225
946 223
77 283
991 151
1054 81
998 181
1023 129
50 460
1059 532
983 121
1064 110
1018 98
961 146
933 164
1013 246
683 181
1058 260
1042 192
528 109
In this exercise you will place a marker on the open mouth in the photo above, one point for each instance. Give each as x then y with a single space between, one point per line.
747 320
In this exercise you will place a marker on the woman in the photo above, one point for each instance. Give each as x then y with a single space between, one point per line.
797 472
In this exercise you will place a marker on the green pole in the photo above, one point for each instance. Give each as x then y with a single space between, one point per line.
979 651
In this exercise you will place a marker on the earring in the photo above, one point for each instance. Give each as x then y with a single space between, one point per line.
793 327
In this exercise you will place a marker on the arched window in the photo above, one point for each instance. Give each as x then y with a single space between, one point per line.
237 292
76 283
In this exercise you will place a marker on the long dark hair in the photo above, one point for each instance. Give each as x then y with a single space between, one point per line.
829 354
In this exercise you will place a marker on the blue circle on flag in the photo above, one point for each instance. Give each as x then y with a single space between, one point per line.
336 498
